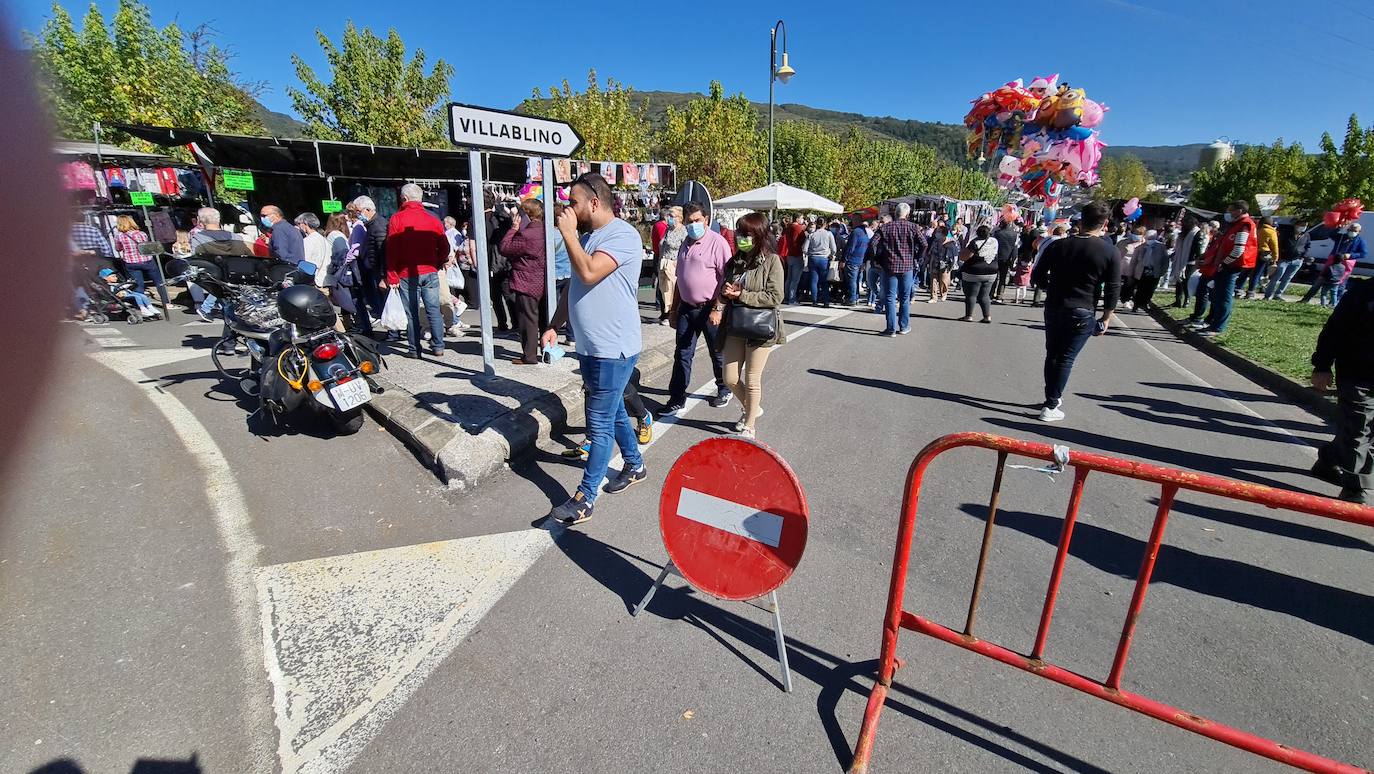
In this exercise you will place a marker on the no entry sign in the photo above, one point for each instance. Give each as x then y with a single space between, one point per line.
734 518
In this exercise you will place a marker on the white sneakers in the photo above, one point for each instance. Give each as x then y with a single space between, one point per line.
1051 414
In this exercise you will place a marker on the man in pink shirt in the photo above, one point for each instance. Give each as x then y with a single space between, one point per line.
700 270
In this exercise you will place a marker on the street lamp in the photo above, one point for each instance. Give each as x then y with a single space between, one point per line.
776 73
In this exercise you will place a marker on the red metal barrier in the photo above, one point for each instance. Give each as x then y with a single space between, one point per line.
1170 481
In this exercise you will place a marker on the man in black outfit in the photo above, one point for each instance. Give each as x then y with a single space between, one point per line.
1070 271
1345 342
1008 238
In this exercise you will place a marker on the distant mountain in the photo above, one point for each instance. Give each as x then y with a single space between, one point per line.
1168 163
278 124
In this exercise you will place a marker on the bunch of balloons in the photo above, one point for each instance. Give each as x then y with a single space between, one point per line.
1131 209
1347 211
1047 130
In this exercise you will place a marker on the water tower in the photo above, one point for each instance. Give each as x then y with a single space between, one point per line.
1217 153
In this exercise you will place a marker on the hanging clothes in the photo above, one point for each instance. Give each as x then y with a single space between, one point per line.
583 168
164 230
651 173
608 172
78 176
629 174
534 170
147 179
167 182
562 171
114 177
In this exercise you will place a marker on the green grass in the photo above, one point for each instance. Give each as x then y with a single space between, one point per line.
1279 335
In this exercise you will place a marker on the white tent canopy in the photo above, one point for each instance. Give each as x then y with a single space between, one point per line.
780 196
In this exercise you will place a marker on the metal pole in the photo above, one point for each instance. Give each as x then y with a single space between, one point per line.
772 76
551 280
479 236
782 642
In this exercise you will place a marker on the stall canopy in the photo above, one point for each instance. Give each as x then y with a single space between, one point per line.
780 196
326 158
108 152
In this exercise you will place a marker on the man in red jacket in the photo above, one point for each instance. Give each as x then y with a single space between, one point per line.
1227 256
416 247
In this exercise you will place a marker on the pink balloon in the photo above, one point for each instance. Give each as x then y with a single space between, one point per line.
1129 208
1092 113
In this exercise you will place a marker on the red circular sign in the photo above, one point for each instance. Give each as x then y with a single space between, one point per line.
734 518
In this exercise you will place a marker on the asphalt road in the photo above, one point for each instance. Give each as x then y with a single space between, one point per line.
320 604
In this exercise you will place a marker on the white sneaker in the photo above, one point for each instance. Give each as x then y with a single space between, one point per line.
1051 415
150 312
456 331
746 432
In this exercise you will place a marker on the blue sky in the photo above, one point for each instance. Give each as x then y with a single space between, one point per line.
1172 71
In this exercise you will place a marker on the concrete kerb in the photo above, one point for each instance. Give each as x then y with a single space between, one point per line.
462 459
1260 374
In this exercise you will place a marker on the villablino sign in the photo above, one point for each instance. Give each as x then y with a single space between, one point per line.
500 130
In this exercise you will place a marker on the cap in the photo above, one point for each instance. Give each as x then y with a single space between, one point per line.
106 273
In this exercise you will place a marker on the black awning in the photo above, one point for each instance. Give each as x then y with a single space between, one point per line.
327 158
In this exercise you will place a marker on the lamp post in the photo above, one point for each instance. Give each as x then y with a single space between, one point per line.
776 73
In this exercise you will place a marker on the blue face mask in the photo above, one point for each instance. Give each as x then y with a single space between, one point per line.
672 222
696 230
265 222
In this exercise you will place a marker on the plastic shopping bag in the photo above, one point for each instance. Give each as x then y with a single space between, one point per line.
833 271
455 278
394 313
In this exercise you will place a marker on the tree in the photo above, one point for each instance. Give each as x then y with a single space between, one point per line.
613 126
1275 169
1123 178
716 140
808 157
132 72
1335 175
374 95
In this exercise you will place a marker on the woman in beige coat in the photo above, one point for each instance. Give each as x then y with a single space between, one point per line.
754 279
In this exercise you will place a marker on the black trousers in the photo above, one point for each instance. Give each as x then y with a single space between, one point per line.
692 321
527 318
503 303
978 292
634 405
1350 451
1145 290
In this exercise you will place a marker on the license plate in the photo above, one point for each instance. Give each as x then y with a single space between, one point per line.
348 395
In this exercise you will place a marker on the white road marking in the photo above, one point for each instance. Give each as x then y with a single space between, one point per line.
94 331
1215 392
730 516
152 358
229 514
350 638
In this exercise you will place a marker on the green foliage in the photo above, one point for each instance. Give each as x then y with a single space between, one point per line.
1256 169
1340 174
808 157
715 140
374 94
1281 336
611 121
1123 178
132 72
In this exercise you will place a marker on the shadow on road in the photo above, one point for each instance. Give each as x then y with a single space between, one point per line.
1194 417
982 404
1339 610
624 574
141 766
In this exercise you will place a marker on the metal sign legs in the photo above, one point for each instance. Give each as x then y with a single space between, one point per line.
772 607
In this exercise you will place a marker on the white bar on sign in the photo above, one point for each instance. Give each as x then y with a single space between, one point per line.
730 516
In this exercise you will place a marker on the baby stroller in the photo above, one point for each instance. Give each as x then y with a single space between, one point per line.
102 300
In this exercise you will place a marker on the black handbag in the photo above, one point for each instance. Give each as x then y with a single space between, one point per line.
752 323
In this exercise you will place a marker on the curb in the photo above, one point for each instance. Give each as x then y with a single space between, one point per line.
461 459
1260 374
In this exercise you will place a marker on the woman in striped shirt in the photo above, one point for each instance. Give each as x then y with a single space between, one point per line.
137 266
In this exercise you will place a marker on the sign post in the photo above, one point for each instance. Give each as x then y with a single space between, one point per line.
479 237
551 280
734 520
475 128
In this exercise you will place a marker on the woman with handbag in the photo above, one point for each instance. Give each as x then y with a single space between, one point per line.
523 244
746 309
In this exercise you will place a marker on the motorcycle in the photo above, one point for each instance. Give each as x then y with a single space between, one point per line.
296 357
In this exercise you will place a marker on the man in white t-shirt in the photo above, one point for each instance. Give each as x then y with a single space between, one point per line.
602 300
316 249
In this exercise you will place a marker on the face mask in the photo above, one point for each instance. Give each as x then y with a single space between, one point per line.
265 222
1229 217
745 244
672 222
696 230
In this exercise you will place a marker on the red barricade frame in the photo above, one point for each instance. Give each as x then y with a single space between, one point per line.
1170 481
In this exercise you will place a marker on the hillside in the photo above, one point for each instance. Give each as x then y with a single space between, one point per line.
278 124
1168 163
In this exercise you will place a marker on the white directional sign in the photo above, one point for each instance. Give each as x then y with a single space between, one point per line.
476 127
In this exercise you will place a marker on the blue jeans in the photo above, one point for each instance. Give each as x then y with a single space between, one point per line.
1223 298
1282 276
851 278
898 293
818 279
1067 329
691 321
875 279
146 272
604 379
795 267
414 290
1339 292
